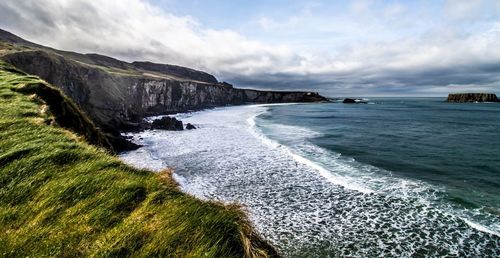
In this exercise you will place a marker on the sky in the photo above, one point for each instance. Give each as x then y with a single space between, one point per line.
338 48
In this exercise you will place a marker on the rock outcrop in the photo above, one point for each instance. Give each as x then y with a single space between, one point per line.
354 101
167 123
472 97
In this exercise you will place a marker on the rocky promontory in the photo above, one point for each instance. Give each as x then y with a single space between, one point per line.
472 97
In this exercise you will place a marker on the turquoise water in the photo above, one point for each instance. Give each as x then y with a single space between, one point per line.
394 178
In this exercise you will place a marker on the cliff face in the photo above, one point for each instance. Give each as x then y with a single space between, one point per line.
472 97
156 96
117 94
119 99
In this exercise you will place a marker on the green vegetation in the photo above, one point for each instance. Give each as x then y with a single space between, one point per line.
7 48
60 196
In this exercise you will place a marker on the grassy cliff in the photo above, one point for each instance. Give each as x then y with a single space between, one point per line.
61 196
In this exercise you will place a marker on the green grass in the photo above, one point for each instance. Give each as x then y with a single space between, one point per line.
60 196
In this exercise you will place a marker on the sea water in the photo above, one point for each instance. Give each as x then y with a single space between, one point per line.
395 177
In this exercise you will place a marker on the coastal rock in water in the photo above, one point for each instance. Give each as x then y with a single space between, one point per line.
354 101
472 97
190 126
167 123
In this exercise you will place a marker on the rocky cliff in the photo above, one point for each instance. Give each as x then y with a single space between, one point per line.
117 94
120 99
472 97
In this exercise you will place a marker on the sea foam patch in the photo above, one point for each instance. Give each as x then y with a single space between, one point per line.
305 200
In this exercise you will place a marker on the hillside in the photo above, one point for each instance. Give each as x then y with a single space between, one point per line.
117 95
60 196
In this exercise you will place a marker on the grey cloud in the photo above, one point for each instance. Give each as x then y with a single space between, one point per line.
482 76
135 30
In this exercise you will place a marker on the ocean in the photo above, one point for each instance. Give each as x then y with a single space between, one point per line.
399 177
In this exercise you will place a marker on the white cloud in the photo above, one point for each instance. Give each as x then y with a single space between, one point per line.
463 9
361 6
394 10
134 29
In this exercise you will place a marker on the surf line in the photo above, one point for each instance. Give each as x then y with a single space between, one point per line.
328 175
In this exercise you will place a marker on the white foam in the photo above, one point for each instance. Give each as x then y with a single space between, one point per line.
321 170
480 227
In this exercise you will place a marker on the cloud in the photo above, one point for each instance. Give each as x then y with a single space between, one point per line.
136 30
394 10
464 9
361 6
372 48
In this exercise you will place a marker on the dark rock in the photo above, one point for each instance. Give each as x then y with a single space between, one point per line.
119 142
349 101
354 101
167 123
190 126
472 97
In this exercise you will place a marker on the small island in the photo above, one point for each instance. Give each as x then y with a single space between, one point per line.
472 97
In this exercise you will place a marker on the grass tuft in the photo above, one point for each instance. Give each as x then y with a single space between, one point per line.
60 196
